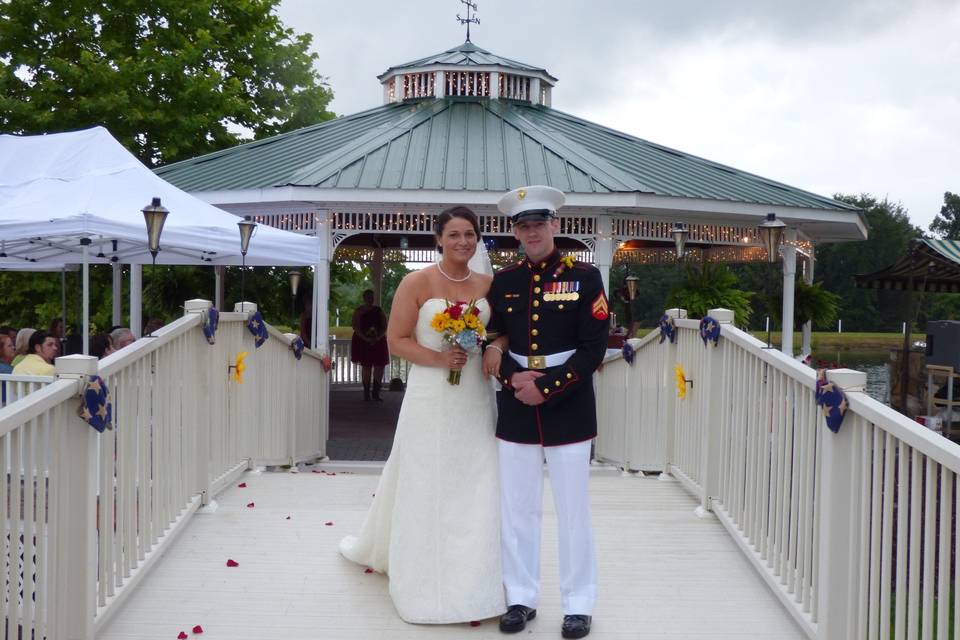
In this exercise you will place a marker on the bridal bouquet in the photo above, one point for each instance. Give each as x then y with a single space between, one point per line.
459 324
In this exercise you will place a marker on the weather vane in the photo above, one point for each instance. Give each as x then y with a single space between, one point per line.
475 20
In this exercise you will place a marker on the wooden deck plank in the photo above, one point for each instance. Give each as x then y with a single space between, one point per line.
663 572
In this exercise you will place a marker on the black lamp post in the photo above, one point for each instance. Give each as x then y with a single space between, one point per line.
247 227
631 284
771 233
154 214
680 234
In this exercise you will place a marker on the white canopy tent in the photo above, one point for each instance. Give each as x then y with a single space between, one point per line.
76 198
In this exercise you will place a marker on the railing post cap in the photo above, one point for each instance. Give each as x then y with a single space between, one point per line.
197 305
677 314
245 307
723 316
75 366
848 379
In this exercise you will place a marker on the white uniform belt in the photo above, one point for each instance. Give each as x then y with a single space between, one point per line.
542 362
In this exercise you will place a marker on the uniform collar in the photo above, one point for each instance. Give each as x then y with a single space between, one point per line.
545 263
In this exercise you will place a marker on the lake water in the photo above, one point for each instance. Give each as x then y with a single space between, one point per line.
873 363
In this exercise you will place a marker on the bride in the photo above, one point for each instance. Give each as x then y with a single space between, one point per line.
433 526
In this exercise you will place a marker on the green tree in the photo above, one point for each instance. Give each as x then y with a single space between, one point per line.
890 234
947 223
711 286
170 79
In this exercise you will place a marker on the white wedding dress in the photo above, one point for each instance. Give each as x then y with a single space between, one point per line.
434 525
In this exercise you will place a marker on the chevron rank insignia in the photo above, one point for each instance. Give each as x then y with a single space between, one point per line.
599 307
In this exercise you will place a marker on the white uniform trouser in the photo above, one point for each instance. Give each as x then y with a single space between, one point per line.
521 513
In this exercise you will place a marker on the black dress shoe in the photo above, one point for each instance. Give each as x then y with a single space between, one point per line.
515 619
575 626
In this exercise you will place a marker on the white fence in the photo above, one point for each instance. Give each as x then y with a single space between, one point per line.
13 387
856 532
86 514
345 371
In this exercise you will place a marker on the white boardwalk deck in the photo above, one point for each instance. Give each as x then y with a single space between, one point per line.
663 572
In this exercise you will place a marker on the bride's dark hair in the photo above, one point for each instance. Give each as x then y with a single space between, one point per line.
456 212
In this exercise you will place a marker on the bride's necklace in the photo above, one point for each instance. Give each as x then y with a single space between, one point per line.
451 279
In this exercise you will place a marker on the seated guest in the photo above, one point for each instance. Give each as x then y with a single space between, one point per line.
22 345
10 331
152 325
121 337
101 345
39 361
7 352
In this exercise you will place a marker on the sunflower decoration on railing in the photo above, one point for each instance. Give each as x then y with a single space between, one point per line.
239 367
682 381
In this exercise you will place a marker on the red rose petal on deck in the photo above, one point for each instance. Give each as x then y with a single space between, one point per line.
368 570
474 623
198 629
242 485
329 524
232 563
181 636
250 505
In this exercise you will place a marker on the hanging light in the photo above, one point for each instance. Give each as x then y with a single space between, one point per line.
771 233
680 234
404 243
154 214
632 283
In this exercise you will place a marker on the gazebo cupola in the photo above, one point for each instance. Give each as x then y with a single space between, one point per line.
470 72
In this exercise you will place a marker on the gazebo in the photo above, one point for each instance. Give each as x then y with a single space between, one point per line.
466 125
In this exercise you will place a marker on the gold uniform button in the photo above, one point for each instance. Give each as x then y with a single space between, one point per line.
535 317
557 383
546 391
534 333
536 303
536 289
536 278
569 375
559 306
534 346
509 309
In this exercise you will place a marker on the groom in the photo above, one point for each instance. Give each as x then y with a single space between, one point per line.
553 312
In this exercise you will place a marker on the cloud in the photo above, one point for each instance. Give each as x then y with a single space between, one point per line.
838 96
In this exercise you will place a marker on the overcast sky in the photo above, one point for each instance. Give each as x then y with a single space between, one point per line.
828 96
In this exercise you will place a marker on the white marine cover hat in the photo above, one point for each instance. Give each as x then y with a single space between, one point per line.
536 202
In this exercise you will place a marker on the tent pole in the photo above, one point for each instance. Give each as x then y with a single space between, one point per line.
117 294
63 299
789 253
84 244
136 299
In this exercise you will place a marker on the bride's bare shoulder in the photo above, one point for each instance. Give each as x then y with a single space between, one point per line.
485 281
416 286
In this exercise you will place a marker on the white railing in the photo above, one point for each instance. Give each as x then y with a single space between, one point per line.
85 514
14 387
345 371
855 532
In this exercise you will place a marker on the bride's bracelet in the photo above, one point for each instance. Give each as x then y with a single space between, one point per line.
493 346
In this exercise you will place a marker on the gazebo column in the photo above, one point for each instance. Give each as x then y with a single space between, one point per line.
136 299
117 300
808 325
603 251
789 253
376 275
321 287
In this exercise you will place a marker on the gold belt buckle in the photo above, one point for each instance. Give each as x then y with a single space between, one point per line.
536 362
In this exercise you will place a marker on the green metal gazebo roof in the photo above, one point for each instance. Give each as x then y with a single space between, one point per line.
465 55
476 145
